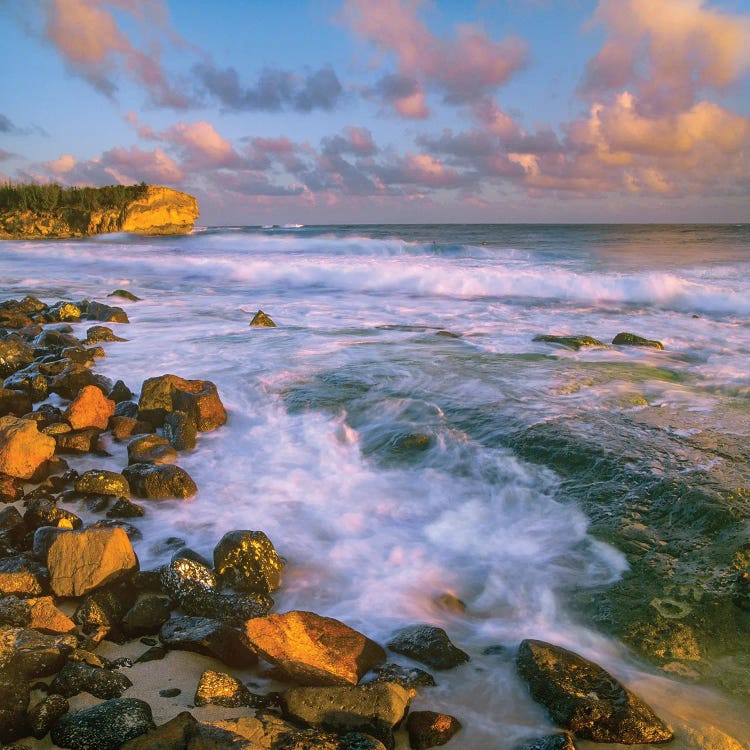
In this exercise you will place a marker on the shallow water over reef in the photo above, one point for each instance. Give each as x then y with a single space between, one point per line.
400 435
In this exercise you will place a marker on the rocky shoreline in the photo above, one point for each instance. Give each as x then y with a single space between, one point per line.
78 615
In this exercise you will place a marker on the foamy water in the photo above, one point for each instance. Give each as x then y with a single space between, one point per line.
318 405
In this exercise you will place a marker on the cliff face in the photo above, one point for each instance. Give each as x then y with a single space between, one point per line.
160 211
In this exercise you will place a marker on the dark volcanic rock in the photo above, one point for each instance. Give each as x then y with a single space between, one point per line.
582 697
429 729
246 560
44 714
180 430
14 355
570 342
126 409
20 576
30 654
71 380
174 735
559 741
125 294
209 637
39 614
429 645
30 382
146 616
106 313
124 508
105 607
16 403
120 392
151 449
199 399
631 339
408 677
101 482
106 726
77 677
374 709
262 320
155 481
14 701
41 511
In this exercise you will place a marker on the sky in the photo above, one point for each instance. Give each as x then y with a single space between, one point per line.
387 111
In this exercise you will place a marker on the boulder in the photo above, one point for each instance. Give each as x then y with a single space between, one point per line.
106 726
429 645
30 382
78 441
156 481
631 339
30 654
246 733
374 709
199 399
260 319
102 610
584 698
247 561
42 511
429 729
557 741
313 650
106 313
123 428
90 408
316 739
221 689
120 392
64 312
571 342
180 430
101 482
410 678
95 334
20 576
39 614
22 447
209 637
151 449
146 616
14 355
69 381
16 403
11 489
14 702
77 677
44 714
173 735
80 561
124 508
125 294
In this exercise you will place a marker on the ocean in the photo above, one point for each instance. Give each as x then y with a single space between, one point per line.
400 435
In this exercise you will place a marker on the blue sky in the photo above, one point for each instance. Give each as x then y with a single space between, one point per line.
388 110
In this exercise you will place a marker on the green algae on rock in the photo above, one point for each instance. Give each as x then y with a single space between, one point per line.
632 339
570 342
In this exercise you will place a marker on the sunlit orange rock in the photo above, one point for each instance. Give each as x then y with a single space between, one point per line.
90 408
22 447
314 650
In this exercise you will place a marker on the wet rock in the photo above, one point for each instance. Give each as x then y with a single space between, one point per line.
14 702
247 561
315 739
146 616
155 481
429 729
314 650
64 311
22 447
101 482
429 645
106 313
11 489
30 654
199 399
126 409
96 334
16 403
151 449
170 692
123 428
374 709
409 678
559 741
30 382
124 508
173 735
262 320
180 430
41 511
44 714
631 339
90 408
571 342
81 355
39 614
221 689
210 637
13 356
584 698
69 382
154 653
116 523
106 726
20 576
78 441
77 677
120 392
125 294
104 608
80 561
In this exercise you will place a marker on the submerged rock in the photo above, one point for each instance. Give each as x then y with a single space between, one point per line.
262 320
631 339
559 741
106 726
570 342
314 650
248 561
430 729
429 645
125 294
584 698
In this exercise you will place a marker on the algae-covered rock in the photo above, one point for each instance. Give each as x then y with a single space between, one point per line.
157 481
570 342
199 399
632 339
247 560
584 698
261 320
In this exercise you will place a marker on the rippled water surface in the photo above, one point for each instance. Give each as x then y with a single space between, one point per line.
367 432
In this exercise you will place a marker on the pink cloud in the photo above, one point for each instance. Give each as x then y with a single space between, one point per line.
90 40
463 68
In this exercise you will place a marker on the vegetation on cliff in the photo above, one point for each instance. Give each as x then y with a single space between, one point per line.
38 198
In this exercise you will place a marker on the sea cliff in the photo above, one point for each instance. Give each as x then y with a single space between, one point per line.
159 210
